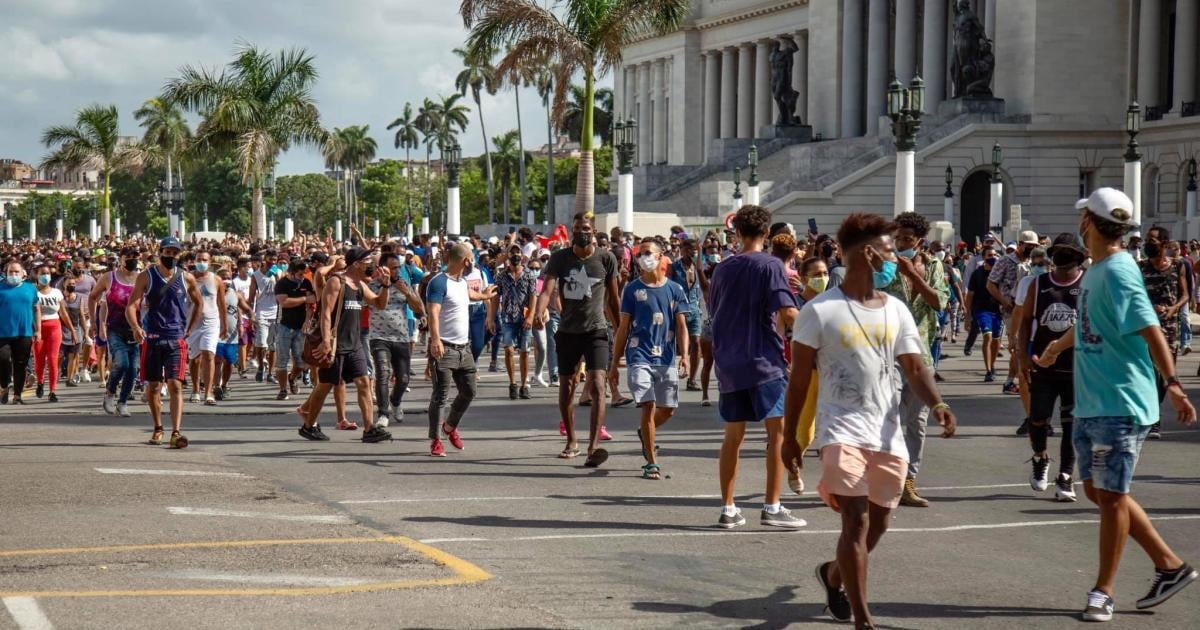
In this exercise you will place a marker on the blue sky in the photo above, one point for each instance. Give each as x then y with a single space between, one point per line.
373 56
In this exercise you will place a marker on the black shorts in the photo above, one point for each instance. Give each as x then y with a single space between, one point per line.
592 347
164 360
346 367
1044 389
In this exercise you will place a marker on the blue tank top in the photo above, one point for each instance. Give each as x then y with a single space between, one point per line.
166 317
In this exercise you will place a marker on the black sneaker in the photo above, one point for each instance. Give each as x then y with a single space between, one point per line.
41 390
524 392
513 391
4 397
376 434
938 378
53 397
219 393
1038 479
1155 429
313 433
989 377
836 601
1023 430
1166 584
282 395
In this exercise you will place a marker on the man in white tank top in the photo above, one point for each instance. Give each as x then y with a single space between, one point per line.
241 284
202 343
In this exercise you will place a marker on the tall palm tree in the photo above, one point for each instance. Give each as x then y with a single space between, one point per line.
477 76
428 122
333 150
166 130
358 149
508 158
407 138
603 117
93 142
545 89
587 40
259 105
516 78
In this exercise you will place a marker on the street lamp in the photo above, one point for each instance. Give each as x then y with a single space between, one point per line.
33 204
752 190
1133 160
905 106
59 219
425 217
996 205
948 197
624 134
997 160
269 191
204 216
737 188
453 158
93 224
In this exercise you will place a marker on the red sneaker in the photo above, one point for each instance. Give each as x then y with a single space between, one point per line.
604 434
436 449
453 436
562 427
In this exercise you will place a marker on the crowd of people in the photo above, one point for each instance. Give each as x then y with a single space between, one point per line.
830 342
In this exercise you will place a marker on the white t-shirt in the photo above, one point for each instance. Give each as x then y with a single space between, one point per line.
265 306
49 303
529 249
858 401
1023 289
454 320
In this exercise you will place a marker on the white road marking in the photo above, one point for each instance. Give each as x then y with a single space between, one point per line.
331 519
285 579
170 473
897 530
444 499
26 612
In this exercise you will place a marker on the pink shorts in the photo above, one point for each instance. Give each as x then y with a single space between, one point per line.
850 471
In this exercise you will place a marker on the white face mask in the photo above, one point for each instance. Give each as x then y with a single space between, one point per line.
941 256
648 263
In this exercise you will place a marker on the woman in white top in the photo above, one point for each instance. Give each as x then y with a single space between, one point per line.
53 318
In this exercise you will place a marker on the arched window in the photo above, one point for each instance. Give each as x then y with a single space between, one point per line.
1152 192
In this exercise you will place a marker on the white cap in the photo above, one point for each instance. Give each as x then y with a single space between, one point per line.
1110 204
543 252
1030 237
433 239
493 240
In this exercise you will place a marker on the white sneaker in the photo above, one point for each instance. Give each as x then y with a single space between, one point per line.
1037 476
541 380
398 415
382 420
108 404
1099 607
123 410
87 376
1064 491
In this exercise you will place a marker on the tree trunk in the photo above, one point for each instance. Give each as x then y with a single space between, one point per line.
487 152
520 159
258 213
585 181
550 205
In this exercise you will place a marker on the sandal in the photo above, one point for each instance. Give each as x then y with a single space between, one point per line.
651 471
569 453
343 425
210 402
156 437
598 456
622 402
178 440
643 441
588 403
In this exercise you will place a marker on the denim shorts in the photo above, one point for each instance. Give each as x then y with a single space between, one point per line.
754 404
1108 449
515 336
987 322
289 347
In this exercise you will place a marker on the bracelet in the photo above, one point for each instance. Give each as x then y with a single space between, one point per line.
1173 381
941 406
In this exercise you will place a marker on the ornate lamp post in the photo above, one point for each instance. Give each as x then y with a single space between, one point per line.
996 205
164 205
948 202
93 224
117 220
289 222
1191 189
453 157
905 107
1133 160
737 188
178 196
337 221
269 191
624 135
59 219
33 204
753 196
204 217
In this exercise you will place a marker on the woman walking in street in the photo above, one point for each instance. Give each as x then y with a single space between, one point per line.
53 319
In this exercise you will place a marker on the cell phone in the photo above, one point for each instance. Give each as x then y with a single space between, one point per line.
812 226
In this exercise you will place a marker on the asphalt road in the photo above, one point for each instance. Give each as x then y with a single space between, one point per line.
254 527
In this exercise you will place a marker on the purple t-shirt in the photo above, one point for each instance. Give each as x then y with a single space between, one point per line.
745 293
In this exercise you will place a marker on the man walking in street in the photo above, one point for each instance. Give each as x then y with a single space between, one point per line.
983 311
686 273
293 296
517 289
391 349
202 343
1118 346
1002 284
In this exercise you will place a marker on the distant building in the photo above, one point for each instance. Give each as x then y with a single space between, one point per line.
79 177
15 170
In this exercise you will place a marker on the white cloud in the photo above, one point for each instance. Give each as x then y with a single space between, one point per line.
30 58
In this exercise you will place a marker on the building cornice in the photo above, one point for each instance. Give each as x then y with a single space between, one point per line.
725 19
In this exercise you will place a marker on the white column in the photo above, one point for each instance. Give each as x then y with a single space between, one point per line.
172 226
93 229
753 196
712 98
996 205
424 224
625 201
877 63
745 91
205 220
906 40
182 228
289 229
1149 30
948 208
453 212
1133 188
989 17
337 230
764 102
408 232
933 54
906 187
1190 208
645 148
58 229
117 226
8 229
800 75
852 69
1185 52
271 230
630 105
729 92
658 98
32 229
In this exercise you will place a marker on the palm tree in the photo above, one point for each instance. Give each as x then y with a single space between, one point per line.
166 130
587 40
476 76
517 78
358 148
603 117
428 122
508 158
333 150
94 142
407 138
259 106
545 88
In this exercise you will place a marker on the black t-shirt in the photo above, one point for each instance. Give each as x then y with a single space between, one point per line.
981 299
582 285
293 317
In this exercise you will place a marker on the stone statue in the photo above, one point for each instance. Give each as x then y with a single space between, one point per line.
781 83
973 63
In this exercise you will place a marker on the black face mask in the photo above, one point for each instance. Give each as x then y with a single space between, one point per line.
131 264
167 261
76 272
581 239
1065 259
1152 250
370 270
827 251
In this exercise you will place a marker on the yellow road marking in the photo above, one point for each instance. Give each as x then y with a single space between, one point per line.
464 572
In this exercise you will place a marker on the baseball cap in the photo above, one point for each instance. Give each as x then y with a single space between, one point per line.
169 243
1109 204
1029 237
493 240
990 237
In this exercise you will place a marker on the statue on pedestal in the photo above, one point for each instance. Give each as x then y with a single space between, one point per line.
974 63
781 82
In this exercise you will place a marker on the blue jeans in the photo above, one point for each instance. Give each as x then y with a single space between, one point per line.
479 335
125 356
1107 448
1185 327
551 347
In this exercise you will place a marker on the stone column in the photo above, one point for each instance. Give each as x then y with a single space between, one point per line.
906 40
1149 30
712 98
658 97
745 91
631 85
800 75
852 69
1185 52
729 92
989 7
764 102
618 93
645 149
933 53
877 63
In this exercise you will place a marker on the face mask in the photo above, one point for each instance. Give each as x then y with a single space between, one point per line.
167 261
13 279
884 277
1152 250
370 270
581 239
827 251
77 272
648 263
908 253
818 284
1065 259
1037 270
44 279
201 267
714 258
131 264
991 262
940 256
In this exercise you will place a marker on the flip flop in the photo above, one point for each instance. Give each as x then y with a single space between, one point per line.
598 456
623 402
585 403
569 453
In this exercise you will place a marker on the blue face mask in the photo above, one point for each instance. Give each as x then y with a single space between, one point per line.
44 279
1037 270
12 279
908 253
884 277
201 267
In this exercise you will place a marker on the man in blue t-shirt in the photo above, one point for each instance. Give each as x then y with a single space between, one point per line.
747 294
653 317
1118 345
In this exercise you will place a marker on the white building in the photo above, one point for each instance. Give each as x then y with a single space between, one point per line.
1066 69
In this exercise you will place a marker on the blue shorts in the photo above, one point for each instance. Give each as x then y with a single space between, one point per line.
228 352
755 404
988 323
1108 449
515 336
693 324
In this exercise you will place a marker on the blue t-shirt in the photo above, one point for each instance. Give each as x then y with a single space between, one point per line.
411 275
1114 375
16 309
652 313
745 293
